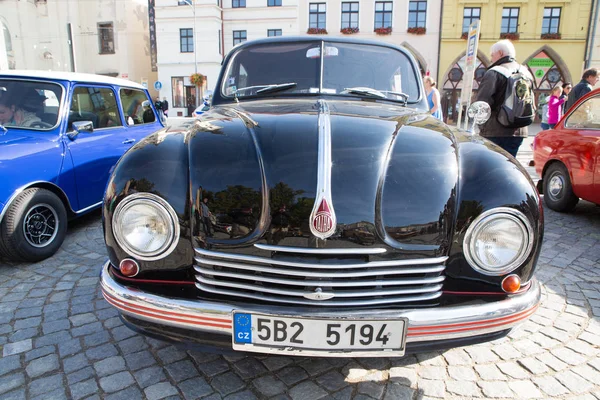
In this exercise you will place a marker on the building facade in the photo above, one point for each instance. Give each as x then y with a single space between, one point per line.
549 37
107 37
221 24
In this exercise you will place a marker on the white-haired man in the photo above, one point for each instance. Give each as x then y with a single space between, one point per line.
492 90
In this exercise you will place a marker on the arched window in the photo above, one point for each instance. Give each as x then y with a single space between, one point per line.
453 84
8 45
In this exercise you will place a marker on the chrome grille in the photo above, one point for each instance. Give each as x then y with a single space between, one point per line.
291 277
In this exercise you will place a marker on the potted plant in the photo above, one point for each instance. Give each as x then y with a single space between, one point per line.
197 79
317 31
349 31
510 35
551 36
417 30
383 31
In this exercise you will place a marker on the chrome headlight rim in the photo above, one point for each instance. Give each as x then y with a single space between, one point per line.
486 217
155 201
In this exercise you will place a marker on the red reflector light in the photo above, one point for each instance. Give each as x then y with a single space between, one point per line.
511 284
129 267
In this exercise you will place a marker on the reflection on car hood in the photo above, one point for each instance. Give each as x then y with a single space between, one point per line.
393 175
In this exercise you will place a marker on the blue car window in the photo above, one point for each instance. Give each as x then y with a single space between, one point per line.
29 104
98 105
136 107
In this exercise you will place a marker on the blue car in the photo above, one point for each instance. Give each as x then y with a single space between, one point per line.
61 135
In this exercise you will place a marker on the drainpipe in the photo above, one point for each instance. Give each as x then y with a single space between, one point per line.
222 34
437 72
589 41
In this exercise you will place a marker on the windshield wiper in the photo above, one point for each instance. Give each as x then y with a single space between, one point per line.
381 94
276 88
365 91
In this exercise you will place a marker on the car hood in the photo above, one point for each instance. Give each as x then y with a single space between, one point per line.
255 173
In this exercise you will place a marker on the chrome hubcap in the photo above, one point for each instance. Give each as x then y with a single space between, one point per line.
556 185
40 225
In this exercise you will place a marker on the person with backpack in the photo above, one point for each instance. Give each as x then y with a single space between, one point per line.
507 87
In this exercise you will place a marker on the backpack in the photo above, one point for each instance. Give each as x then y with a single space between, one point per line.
518 108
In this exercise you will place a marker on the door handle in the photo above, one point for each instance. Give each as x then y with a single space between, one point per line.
128 141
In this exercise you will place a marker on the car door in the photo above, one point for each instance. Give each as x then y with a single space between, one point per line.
583 153
139 114
94 153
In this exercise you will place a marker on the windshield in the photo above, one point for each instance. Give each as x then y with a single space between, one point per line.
295 68
29 104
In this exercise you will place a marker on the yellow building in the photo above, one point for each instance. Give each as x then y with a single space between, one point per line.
549 37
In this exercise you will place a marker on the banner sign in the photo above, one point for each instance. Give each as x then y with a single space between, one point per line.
469 72
152 25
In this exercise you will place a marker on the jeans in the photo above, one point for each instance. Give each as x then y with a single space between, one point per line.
510 143
545 126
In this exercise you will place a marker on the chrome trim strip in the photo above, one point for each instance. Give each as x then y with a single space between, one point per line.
272 261
337 274
421 318
305 250
323 192
292 282
90 207
301 293
327 303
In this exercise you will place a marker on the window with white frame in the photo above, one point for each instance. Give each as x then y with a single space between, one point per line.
417 14
470 15
186 40
274 3
510 20
239 37
349 15
383 14
238 3
551 20
317 15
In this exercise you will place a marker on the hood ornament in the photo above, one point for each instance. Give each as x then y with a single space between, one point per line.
319 295
322 218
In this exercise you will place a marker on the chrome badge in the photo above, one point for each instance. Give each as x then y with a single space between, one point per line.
322 217
318 294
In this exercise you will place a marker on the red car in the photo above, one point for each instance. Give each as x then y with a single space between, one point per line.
568 156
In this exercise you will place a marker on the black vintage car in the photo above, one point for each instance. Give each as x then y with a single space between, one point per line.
242 230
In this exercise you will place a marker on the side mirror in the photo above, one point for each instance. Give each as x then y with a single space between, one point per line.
480 112
79 127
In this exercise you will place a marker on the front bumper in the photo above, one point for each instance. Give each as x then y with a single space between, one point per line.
447 324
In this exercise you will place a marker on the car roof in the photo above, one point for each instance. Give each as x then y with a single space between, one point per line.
317 38
71 77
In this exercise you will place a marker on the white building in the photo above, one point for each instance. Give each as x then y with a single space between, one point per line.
221 24
109 37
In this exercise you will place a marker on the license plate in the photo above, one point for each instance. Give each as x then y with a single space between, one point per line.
298 335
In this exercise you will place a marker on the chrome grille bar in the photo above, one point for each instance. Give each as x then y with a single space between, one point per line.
303 250
339 274
272 261
329 283
326 303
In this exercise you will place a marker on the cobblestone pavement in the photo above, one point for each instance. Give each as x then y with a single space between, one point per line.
60 339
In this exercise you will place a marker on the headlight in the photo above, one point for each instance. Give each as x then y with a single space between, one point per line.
146 226
498 241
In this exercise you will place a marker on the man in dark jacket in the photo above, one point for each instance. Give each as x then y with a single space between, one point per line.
588 81
491 90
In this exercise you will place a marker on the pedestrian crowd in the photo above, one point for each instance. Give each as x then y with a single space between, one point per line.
162 106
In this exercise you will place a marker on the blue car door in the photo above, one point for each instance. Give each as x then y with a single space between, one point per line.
95 153
139 113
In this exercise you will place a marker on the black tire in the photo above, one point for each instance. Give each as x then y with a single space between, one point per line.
34 226
558 192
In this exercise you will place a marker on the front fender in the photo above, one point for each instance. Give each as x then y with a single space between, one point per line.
158 165
488 180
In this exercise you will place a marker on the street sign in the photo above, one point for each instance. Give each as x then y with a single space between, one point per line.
469 73
157 85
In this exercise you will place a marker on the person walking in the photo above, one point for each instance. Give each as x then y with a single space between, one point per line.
566 87
165 106
555 103
492 90
588 81
433 98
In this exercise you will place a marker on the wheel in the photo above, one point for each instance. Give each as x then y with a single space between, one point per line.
34 226
558 192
